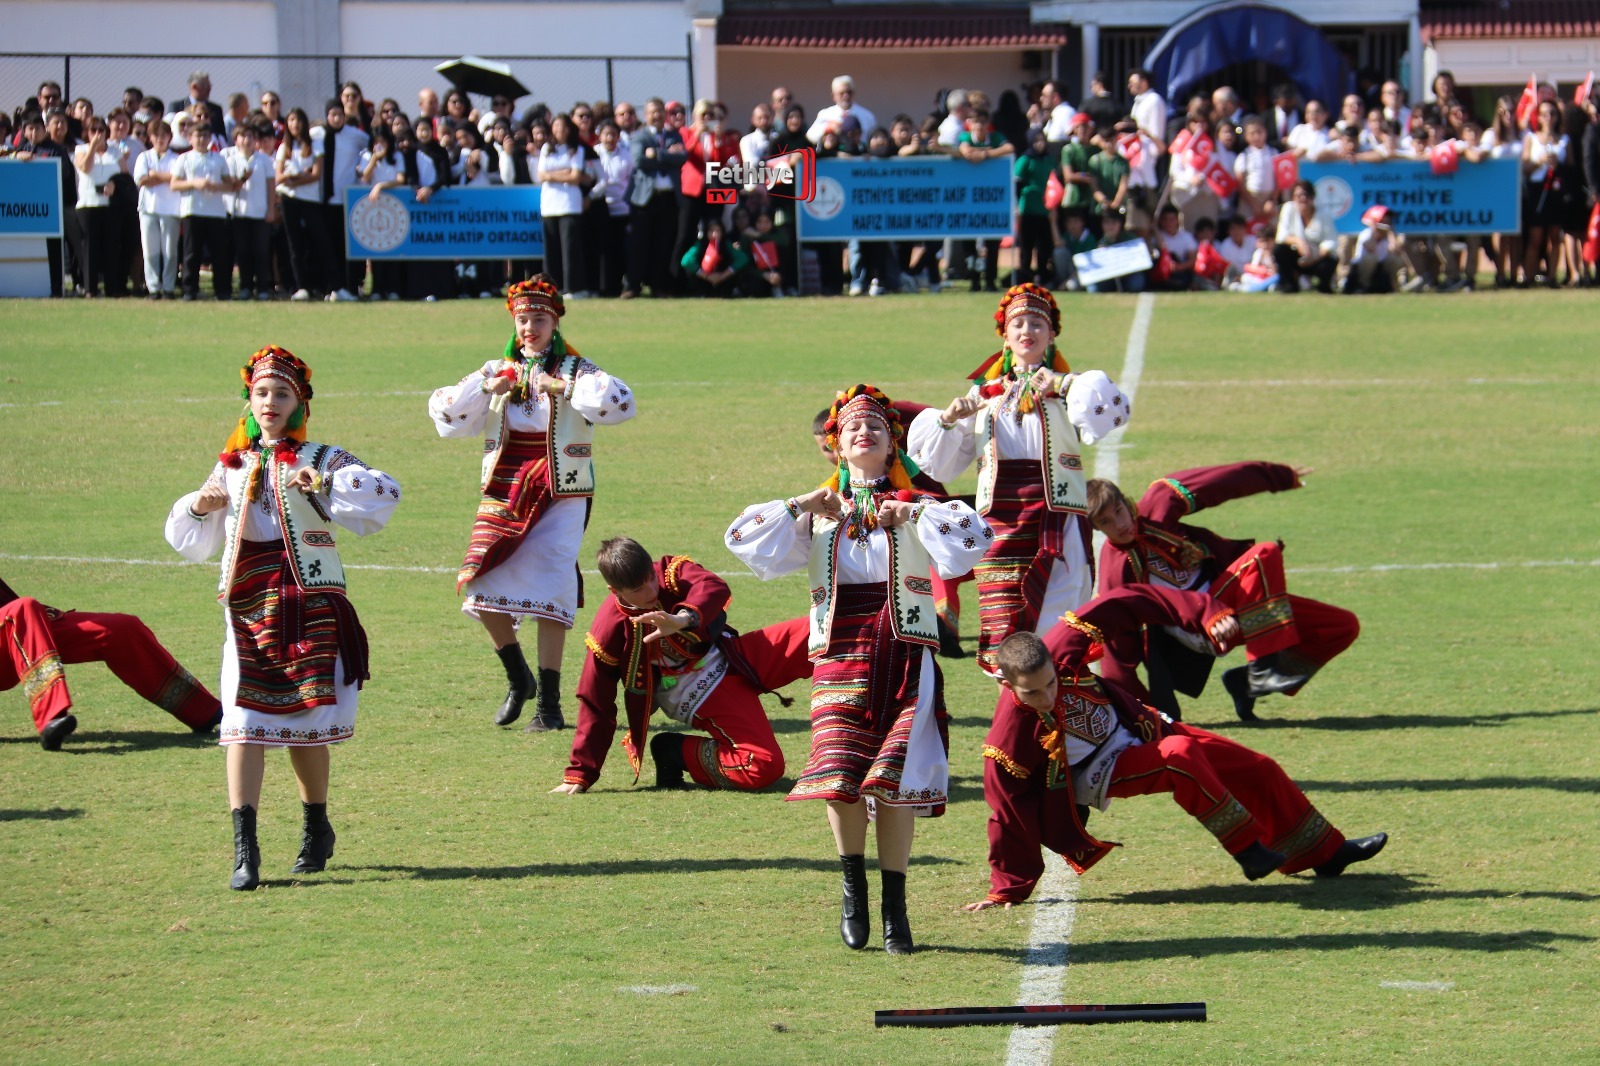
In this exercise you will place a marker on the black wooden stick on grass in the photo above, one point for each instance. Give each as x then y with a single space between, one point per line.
1047 1014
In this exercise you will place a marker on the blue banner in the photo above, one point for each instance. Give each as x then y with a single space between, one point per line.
1483 197
457 222
30 198
911 198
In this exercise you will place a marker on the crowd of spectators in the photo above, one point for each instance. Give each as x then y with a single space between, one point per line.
160 193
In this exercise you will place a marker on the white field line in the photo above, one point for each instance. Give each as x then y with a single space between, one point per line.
1418 986
1044 964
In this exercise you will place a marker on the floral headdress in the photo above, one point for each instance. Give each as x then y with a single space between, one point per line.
871 402
536 294
1022 300
270 362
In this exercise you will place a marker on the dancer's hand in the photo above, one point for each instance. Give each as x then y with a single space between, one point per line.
983 905
1301 473
892 513
1225 630
824 502
304 479
548 383
568 788
961 407
211 498
666 625
497 385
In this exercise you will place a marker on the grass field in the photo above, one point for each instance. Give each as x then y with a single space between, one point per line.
469 916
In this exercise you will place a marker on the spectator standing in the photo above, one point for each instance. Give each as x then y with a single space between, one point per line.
958 108
203 179
756 145
1179 248
1110 173
200 94
1225 106
1258 181
1394 105
1036 231
1309 140
122 246
656 155
158 212
844 102
272 111
1149 111
428 169
383 168
341 146
1144 185
1012 122
253 208
428 109
357 112
58 143
978 143
96 163
474 166
299 183
626 116
1188 190
238 113
704 141
1057 113
561 179
614 171
791 137
1503 140
1306 242
1543 152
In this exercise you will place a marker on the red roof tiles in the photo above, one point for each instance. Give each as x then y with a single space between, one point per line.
887 26
1511 18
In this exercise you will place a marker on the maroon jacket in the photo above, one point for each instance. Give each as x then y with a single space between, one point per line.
1028 789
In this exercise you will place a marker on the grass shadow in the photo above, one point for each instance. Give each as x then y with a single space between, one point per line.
52 814
1454 784
1353 723
1541 940
1352 892
624 867
105 742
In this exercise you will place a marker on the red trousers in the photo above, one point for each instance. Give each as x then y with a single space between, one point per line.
947 598
742 752
1275 621
1240 795
39 641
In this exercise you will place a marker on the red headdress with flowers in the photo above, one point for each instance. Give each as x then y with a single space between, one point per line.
1022 300
270 362
871 402
536 294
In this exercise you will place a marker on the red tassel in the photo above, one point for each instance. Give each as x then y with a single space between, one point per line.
905 496
992 389
230 459
285 451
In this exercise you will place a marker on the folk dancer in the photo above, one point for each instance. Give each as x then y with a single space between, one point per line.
1287 638
1024 420
946 594
663 634
295 655
39 640
1064 741
536 408
879 733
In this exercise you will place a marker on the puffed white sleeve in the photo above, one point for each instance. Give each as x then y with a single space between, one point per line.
942 453
600 397
955 535
771 539
459 410
1095 406
358 497
196 538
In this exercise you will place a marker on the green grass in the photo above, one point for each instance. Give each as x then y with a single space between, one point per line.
468 915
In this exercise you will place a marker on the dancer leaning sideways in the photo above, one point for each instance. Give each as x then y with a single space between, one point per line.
295 655
663 635
1287 638
535 408
39 640
1063 741
879 736
1024 421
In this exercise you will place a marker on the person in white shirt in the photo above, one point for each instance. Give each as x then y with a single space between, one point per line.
299 183
844 100
1376 261
340 144
1180 245
753 145
158 212
253 207
1149 109
1188 189
955 122
96 163
1056 112
1503 140
1394 107
1309 140
1236 248
203 179
613 171
1258 182
1306 242
383 167
560 174
1543 150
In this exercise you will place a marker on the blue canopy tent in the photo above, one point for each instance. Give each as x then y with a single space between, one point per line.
1215 36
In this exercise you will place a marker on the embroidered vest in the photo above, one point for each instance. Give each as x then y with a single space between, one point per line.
307 529
569 444
1062 465
910 588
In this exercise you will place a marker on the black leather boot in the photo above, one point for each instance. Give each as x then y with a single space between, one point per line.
521 681
666 751
1258 860
549 716
1237 684
1278 672
56 730
896 926
950 642
1352 851
854 924
316 840
246 854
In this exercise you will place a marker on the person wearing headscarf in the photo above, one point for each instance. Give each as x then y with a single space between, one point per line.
535 408
295 655
879 734
1024 420
1063 741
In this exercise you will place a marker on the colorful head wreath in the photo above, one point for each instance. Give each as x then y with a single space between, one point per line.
871 402
538 293
270 362
1021 300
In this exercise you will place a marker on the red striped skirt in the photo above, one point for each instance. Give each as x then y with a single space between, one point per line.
517 493
864 696
288 639
1013 574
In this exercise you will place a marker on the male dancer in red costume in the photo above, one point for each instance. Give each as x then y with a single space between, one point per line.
1064 740
1287 638
40 639
662 633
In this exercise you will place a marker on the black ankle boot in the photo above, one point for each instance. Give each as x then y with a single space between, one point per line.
521 681
56 730
1352 851
549 716
1237 684
1278 672
854 925
316 840
950 642
246 854
1258 860
666 751
896 926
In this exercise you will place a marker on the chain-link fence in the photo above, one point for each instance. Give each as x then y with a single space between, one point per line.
308 81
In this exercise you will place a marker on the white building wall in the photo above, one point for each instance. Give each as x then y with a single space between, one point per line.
1509 61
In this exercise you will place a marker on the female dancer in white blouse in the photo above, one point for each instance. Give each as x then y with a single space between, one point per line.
295 654
536 408
878 724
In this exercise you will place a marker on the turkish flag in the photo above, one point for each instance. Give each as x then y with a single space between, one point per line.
1220 180
712 259
1286 168
1583 91
1208 262
1129 148
1443 158
1199 153
1053 192
1528 103
1591 244
1177 145
765 253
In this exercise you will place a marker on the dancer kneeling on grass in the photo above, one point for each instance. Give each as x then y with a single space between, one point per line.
1063 741
535 407
879 732
1025 421
663 634
295 654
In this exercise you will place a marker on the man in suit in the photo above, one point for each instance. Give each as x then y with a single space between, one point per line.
200 93
657 155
